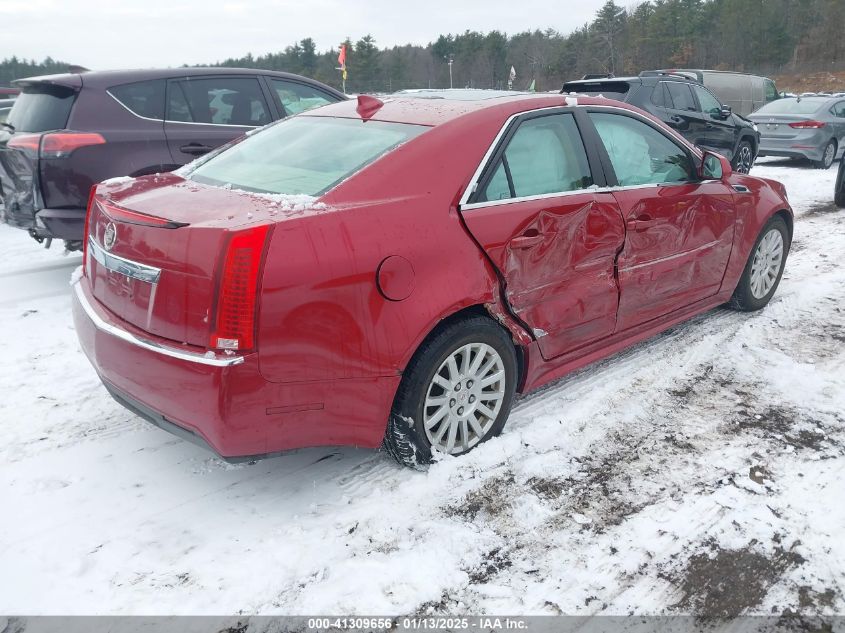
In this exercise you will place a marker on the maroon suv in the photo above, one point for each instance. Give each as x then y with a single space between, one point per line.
66 132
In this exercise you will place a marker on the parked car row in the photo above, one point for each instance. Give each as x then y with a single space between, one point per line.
393 272
686 106
66 132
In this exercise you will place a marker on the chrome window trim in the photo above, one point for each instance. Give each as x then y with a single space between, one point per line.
473 183
115 263
248 127
130 111
166 120
210 359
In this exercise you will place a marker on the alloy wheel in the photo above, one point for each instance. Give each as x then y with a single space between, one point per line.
464 398
829 155
745 160
768 260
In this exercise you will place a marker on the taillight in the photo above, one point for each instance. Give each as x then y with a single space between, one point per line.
63 144
30 142
807 125
55 144
88 210
133 217
234 325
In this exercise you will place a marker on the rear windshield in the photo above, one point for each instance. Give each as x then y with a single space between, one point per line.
610 89
792 106
303 155
42 108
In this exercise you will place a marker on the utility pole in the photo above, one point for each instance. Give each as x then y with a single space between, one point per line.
451 60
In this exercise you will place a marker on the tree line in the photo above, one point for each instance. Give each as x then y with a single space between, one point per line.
759 36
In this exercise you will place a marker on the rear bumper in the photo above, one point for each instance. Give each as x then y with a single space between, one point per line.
223 401
63 224
810 148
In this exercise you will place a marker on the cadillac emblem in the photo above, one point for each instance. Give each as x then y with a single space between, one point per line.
109 236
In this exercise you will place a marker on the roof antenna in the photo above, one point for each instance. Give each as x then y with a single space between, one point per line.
368 106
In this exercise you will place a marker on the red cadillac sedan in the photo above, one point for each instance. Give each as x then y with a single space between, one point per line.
394 272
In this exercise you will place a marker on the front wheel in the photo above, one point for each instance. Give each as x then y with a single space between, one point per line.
743 158
828 155
456 392
764 268
839 190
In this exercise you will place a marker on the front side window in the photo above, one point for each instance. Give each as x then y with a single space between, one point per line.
217 101
296 97
709 104
303 155
680 95
144 98
545 155
641 155
771 90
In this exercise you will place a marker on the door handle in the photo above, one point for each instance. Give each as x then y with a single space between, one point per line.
709 126
195 149
527 241
641 224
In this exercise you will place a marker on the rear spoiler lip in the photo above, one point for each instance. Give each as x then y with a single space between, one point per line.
72 81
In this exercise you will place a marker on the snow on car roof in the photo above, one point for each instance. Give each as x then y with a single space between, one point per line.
431 110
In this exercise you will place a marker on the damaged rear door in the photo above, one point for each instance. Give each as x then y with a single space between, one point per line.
44 105
553 238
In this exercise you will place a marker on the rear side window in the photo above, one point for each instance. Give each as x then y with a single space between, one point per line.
144 98
217 101
641 155
658 95
296 97
303 155
42 108
681 96
838 110
545 155
610 89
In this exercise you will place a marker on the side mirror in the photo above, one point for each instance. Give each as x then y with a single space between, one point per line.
726 111
715 167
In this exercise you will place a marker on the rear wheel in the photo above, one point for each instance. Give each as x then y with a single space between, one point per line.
455 394
839 191
743 158
764 268
828 155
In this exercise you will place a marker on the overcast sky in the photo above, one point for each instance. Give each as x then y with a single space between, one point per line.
101 34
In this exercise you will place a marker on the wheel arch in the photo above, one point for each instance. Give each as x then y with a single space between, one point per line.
518 338
788 219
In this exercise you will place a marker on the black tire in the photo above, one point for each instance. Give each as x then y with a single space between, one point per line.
405 439
743 158
827 156
839 189
743 298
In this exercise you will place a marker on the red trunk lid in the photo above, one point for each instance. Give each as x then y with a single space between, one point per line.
160 274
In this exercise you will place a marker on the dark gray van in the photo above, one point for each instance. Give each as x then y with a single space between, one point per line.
744 93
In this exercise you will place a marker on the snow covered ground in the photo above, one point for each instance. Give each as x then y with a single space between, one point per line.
702 471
